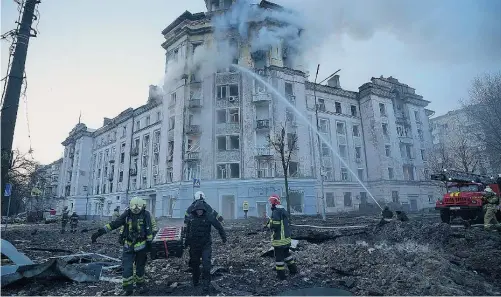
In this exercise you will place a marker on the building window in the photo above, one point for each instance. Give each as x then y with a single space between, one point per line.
338 107
430 199
354 110
172 122
147 120
234 170
416 115
423 155
121 176
391 174
356 130
159 116
234 142
144 184
344 174
234 90
420 134
360 172
321 104
342 150
323 125
387 149
385 129
234 115
293 169
358 152
394 197
124 131
340 128
221 143
221 92
138 125
173 99
329 199
326 151
382 109
221 116
288 89
347 199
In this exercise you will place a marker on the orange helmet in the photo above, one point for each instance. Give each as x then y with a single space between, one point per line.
274 199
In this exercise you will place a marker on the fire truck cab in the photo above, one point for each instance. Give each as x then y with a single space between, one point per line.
463 198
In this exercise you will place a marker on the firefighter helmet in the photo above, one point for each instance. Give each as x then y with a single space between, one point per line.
136 204
199 195
274 199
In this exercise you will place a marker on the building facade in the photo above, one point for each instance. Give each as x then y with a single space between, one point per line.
458 144
215 129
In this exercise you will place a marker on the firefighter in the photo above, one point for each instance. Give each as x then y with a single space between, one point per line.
139 228
281 237
245 207
198 239
200 196
387 213
64 219
73 222
402 216
491 201
116 213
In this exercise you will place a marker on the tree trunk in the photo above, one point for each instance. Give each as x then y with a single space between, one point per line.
286 182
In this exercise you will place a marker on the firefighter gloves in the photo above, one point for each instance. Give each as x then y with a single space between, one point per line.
99 232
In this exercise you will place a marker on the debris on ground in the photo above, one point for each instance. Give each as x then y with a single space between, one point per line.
355 254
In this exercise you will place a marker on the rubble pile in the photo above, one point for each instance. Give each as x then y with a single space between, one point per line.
419 257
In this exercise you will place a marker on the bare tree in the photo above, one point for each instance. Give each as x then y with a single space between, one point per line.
484 107
285 144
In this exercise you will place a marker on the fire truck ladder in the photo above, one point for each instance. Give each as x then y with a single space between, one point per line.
460 176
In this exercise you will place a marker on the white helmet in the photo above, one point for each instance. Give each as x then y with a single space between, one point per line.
199 195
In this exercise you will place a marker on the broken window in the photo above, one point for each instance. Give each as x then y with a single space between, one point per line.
358 152
329 199
221 91
344 174
382 109
234 115
234 142
356 130
347 199
293 169
323 125
338 107
340 128
234 90
221 171
221 143
354 110
234 170
259 58
221 116
321 104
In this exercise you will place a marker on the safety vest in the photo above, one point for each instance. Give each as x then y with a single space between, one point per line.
279 225
134 238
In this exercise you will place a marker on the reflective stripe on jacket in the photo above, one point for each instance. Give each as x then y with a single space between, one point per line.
134 238
279 225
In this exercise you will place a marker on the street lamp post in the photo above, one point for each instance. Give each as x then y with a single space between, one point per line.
321 167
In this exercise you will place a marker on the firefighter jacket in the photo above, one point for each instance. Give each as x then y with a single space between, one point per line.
65 216
279 225
74 219
198 231
137 229
208 209
491 198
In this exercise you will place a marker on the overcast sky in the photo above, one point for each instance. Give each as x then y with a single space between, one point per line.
98 57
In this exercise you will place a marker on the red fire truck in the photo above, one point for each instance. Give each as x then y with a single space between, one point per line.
464 195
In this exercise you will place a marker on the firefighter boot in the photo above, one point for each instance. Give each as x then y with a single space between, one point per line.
281 274
292 268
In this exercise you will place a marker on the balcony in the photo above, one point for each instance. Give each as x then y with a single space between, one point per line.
192 156
193 129
264 152
262 124
195 103
133 171
134 151
261 97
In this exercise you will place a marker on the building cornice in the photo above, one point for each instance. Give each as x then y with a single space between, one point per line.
331 90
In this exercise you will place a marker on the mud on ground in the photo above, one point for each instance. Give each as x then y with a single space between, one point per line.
419 257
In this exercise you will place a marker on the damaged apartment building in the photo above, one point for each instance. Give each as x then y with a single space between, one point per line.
215 129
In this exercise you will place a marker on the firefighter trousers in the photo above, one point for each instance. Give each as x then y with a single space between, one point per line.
490 215
129 258
73 227
282 257
63 226
204 252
